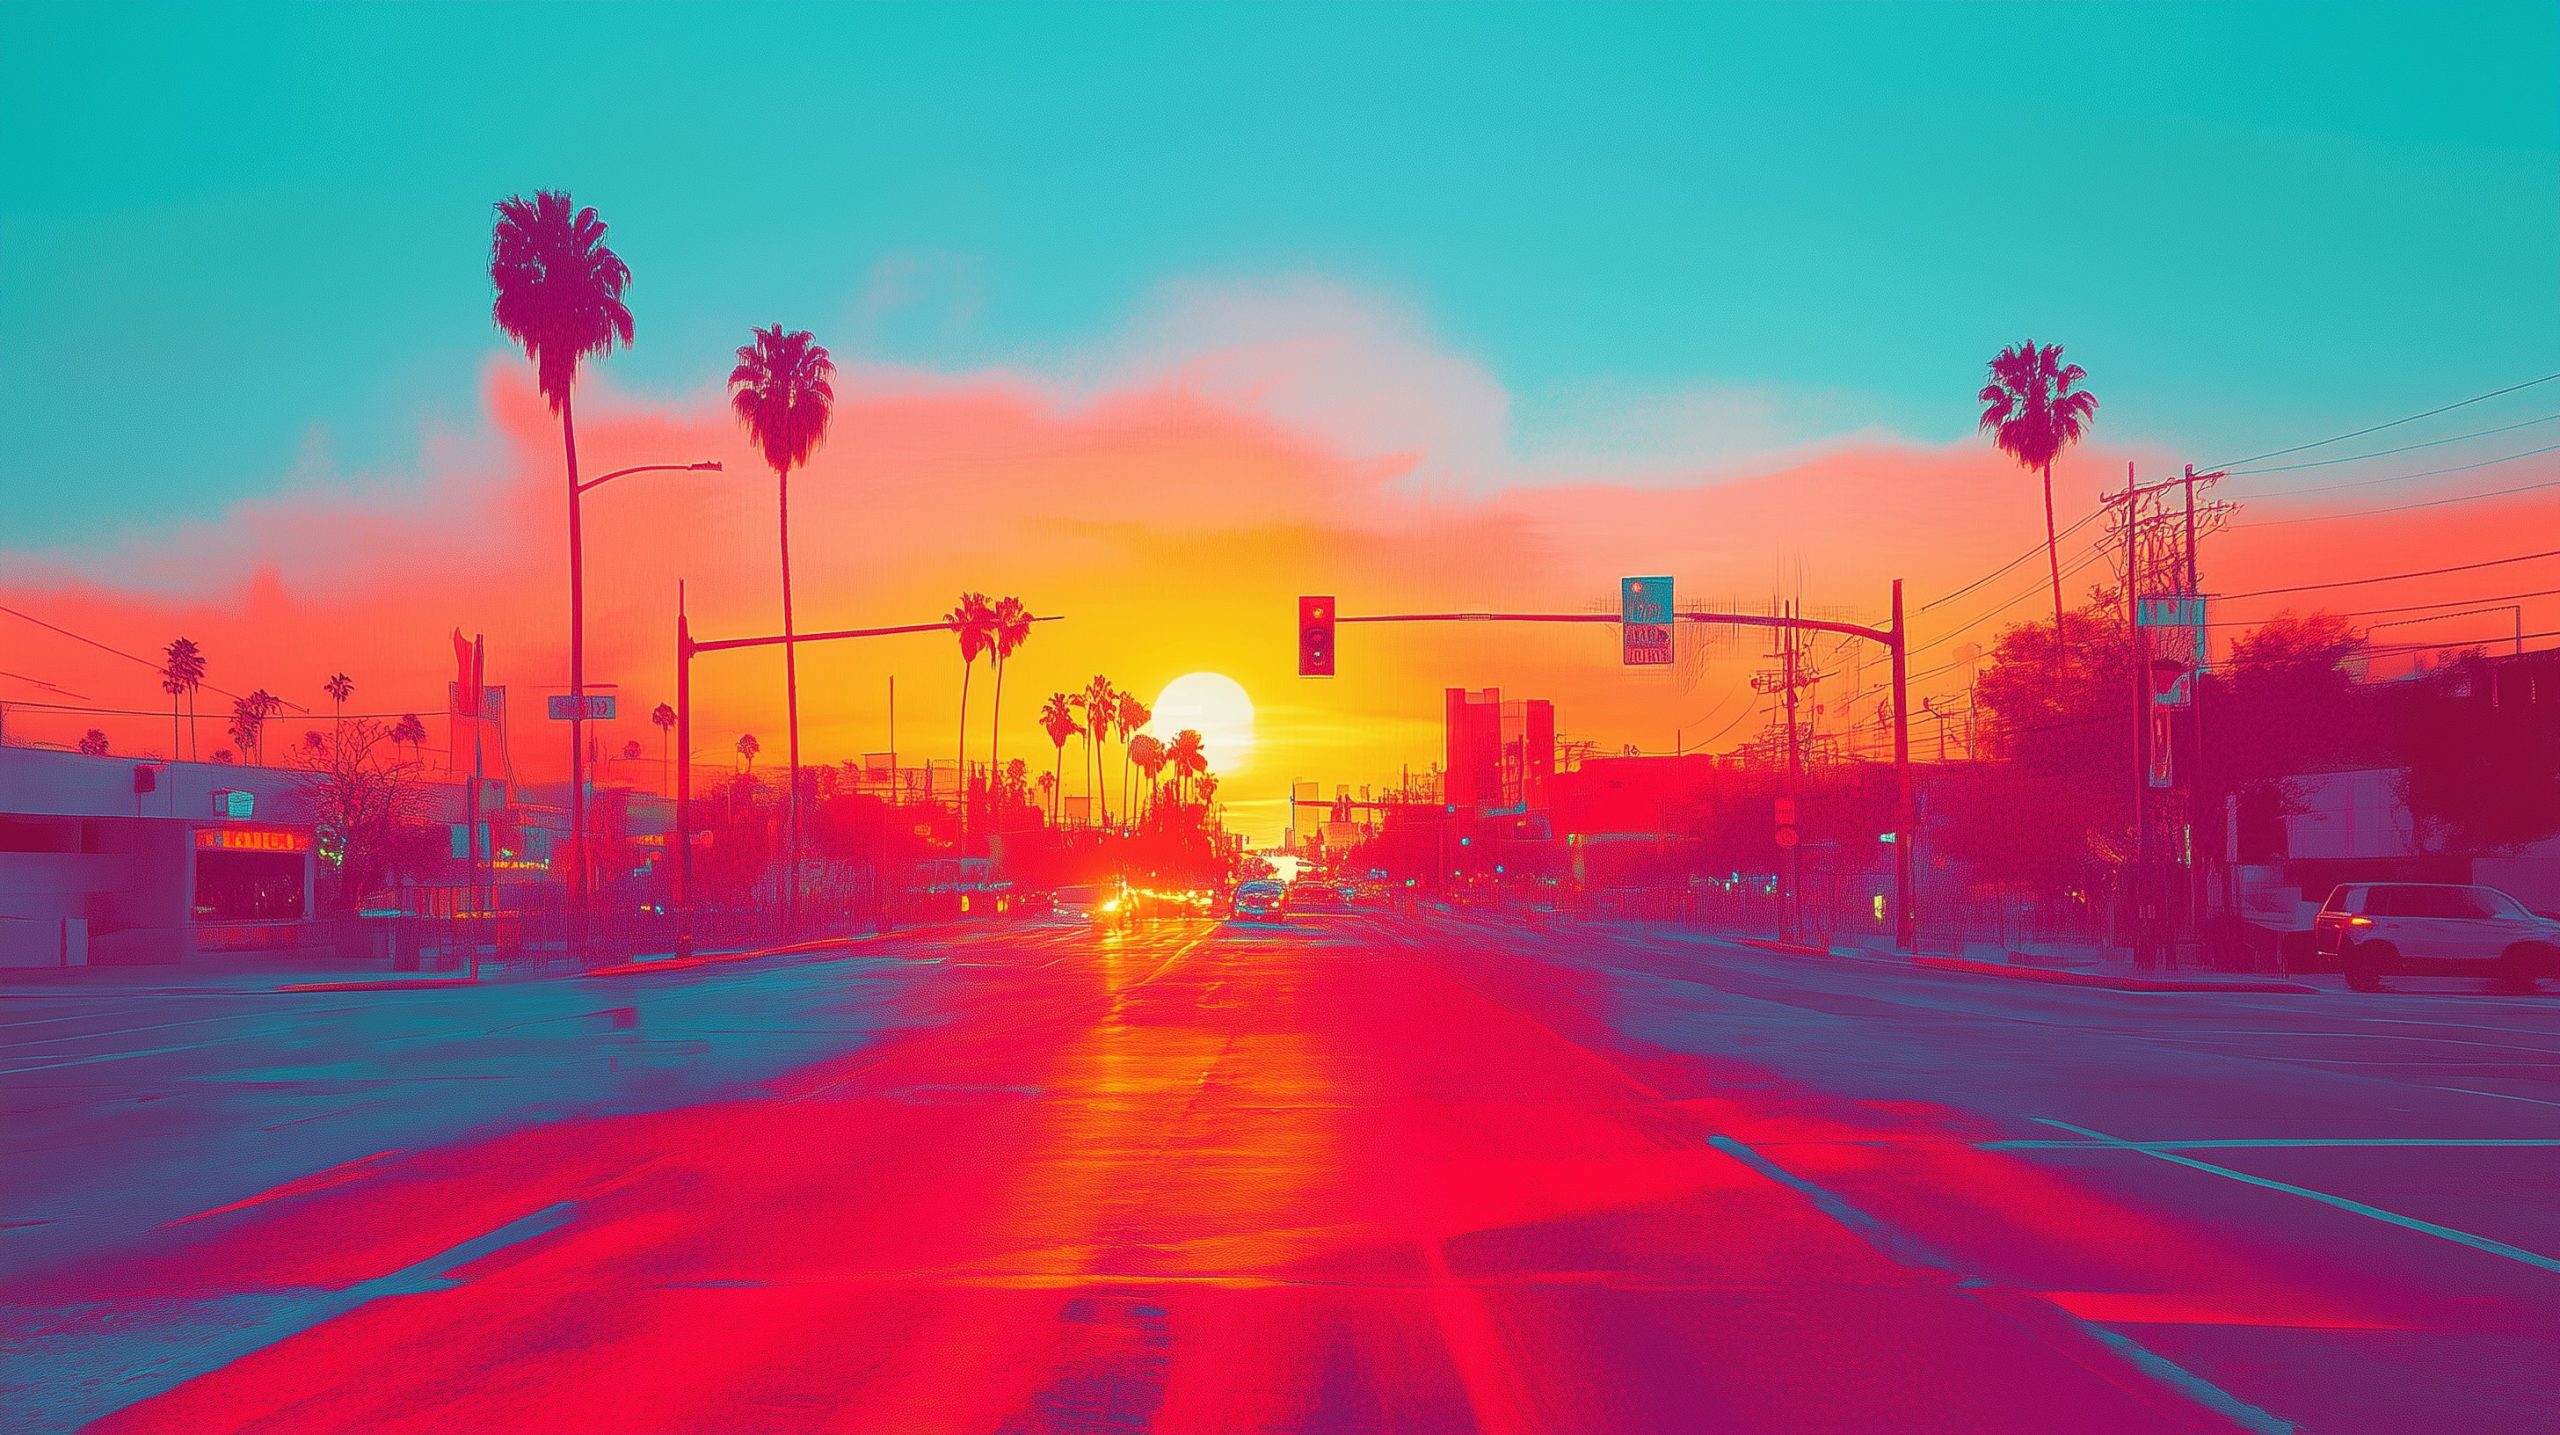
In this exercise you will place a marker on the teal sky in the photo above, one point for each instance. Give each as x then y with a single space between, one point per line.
225 228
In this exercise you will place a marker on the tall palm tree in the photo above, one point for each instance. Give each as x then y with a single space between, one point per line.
973 622
1049 785
1128 715
783 390
1058 720
1101 704
2033 409
175 687
1009 627
340 687
1187 758
558 293
1148 752
664 716
186 668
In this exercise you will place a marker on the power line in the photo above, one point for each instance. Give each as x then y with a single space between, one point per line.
121 653
2386 452
2229 463
2401 507
2406 477
2389 577
2084 520
2403 608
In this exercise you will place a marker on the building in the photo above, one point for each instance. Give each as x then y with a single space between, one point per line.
116 860
1500 756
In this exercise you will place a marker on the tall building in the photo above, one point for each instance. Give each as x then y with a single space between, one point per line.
1501 756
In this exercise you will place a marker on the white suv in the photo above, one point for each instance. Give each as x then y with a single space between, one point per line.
2377 927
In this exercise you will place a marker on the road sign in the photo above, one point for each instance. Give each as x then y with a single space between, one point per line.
1315 637
1786 812
564 707
1787 837
2174 628
1644 622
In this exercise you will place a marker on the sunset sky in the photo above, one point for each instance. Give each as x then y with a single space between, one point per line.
1159 316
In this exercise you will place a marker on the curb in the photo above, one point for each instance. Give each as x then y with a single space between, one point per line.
1769 944
2053 977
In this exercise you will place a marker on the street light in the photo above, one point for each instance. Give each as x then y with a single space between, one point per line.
578 678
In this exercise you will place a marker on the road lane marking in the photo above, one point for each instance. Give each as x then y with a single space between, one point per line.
2277 1143
1911 1251
2412 1223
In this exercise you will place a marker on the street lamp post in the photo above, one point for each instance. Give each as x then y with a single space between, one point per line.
578 682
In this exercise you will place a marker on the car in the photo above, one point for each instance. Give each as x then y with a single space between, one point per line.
1261 901
2374 928
1319 897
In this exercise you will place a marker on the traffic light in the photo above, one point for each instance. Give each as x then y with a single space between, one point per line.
1315 637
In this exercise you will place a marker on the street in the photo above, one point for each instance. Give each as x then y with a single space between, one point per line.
1348 1173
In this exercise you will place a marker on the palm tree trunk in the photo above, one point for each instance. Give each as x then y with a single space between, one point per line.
2053 561
1058 790
577 689
966 668
1124 772
995 734
173 726
791 712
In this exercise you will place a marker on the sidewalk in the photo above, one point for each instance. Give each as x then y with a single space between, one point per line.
247 977
2107 968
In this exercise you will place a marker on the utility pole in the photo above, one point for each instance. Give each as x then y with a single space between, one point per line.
2135 875
1794 916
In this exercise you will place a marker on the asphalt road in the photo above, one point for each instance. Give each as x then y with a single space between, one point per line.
1358 1173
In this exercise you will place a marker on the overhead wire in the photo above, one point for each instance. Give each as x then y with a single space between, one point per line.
2231 463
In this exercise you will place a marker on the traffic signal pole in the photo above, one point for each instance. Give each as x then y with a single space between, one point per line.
1323 614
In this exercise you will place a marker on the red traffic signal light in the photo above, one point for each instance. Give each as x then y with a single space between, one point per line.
1315 637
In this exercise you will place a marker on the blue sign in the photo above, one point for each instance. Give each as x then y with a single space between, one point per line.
1644 622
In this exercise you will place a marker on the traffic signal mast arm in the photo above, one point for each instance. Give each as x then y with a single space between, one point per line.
1746 620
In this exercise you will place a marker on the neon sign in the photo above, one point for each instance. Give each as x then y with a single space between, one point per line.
251 839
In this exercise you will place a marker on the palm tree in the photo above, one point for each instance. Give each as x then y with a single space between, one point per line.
1101 703
175 687
748 747
974 623
1049 786
557 291
1058 720
186 668
1186 757
249 720
1009 627
2033 410
410 732
93 743
340 687
1128 715
783 390
664 716
1148 752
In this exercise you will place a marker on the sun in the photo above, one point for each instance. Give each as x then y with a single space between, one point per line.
1215 705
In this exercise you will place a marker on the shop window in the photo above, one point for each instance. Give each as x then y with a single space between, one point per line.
249 886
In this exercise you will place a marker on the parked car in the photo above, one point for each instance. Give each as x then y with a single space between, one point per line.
1261 900
2375 928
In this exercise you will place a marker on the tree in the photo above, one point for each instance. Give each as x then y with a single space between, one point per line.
557 291
249 720
1049 786
2052 804
1101 704
663 717
369 807
2282 705
2033 411
312 741
973 623
783 390
2482 755
183 673
339 688
1058 720
1187 757
409 732
631 750
748 747
1148 752
93 743
1009 627
1128 716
